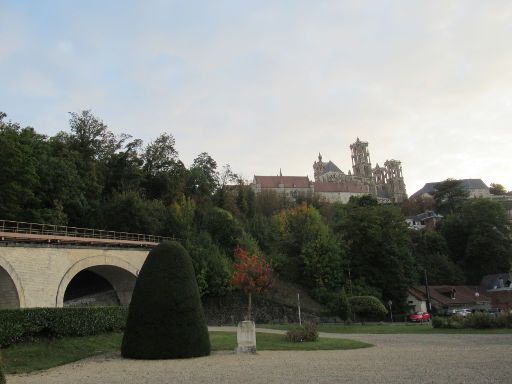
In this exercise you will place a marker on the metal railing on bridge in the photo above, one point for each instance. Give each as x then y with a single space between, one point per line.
12 230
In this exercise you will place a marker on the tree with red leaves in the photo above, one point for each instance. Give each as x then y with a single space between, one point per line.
253 274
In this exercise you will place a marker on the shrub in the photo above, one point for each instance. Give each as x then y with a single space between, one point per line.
21 324
306 332
367 307
455 322
480 320
476 320
504 320
438 322
166 318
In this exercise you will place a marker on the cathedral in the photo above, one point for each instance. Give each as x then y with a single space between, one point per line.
333 185
385 183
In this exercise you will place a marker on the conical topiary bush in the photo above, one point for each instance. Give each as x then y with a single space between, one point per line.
166 319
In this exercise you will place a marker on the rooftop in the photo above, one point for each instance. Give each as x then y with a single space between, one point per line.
341 187
467 184
286 181
450 294
331 167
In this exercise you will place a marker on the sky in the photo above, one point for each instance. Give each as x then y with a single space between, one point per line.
267 85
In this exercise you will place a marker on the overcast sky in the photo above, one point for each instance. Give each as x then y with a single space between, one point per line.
264 85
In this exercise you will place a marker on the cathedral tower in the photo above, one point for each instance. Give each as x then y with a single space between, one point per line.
319 167
395 182
361 163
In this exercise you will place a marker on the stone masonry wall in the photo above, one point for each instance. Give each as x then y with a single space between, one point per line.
41 274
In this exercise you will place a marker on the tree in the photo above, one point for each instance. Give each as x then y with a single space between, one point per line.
165 318
449 196
416 205
18 171
345 310
94 147
224 197
479 238
227 176
128 212
379 248
432 254
260 228
213 267
160 156
123 172
310 253
62 190
456 236
364 201
252 274
488 252
203 180
497 189
368 308
223 227
91 137
322 263
269 202
165 174
181 218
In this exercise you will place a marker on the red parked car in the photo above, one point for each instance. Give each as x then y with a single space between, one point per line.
419 317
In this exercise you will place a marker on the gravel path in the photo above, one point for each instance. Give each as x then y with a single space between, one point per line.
407 358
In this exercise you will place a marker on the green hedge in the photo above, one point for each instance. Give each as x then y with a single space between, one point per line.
477 320
21 324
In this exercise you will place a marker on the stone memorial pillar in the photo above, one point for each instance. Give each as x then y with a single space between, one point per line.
246 337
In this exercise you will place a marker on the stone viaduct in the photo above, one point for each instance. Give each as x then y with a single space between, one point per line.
36 276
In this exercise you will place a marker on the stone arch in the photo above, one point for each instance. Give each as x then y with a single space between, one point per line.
118 272
11 290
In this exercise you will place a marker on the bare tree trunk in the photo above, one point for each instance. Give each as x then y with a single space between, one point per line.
249 308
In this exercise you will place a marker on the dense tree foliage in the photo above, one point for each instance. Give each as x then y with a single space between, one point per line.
306 249
449 196
479 238
379 247
417 205
90 177
344 308
497 189
432 255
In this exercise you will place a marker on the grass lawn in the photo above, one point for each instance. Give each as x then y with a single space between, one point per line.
222 341
392 329
44 354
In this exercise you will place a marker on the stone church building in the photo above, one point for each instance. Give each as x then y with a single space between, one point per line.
333 185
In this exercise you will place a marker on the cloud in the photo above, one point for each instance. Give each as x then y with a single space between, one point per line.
266 85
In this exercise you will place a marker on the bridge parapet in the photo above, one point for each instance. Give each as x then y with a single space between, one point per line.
17 231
